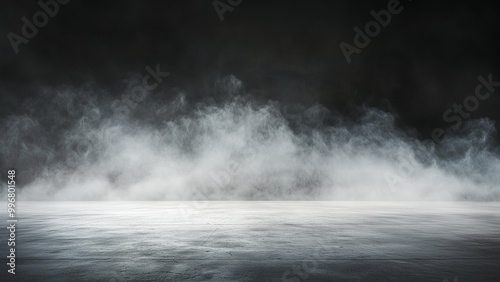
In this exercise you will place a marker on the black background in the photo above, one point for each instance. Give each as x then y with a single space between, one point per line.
427 59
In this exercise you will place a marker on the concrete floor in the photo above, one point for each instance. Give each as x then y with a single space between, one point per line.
255 241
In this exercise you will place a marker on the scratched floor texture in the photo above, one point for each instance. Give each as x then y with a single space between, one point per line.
255 241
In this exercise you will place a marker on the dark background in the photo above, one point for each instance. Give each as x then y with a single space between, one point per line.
427 59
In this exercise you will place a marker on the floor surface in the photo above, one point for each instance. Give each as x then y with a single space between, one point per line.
254 241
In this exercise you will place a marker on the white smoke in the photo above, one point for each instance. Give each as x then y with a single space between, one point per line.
70 146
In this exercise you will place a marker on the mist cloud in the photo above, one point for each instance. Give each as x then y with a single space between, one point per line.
70 145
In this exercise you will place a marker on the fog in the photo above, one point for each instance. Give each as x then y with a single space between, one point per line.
72 144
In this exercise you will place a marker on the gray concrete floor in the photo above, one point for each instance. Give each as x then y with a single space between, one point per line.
255 241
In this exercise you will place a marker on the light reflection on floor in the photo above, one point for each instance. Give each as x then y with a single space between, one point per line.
256 241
